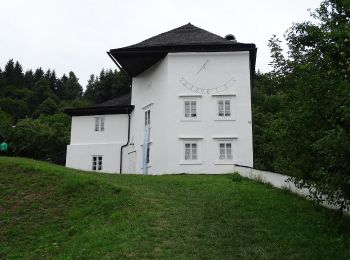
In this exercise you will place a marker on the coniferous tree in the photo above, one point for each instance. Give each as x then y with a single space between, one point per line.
29 80
71 87
47 107
41 91
8 71
17 77
38 74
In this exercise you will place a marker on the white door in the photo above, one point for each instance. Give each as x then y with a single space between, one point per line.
132 162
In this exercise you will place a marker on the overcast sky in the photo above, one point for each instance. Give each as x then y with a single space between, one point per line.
74 35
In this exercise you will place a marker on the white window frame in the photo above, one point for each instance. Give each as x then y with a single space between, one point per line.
99 123
97 163
225 151
224 109
195 158
191 151
192 100
190 109
228 115
232 140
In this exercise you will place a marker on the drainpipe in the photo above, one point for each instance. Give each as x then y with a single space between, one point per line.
123 146
127 143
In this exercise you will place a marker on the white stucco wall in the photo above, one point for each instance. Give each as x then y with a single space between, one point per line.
149 91
160 87
86 142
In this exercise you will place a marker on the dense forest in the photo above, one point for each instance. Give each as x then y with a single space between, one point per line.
301 109
32 103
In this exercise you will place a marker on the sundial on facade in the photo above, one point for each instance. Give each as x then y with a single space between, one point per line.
196 86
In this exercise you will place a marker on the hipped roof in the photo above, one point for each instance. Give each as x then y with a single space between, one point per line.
137 58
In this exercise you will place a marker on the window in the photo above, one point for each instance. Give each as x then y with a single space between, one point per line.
148 117
102 124
225 151
99 124
190 151
190 109
147 155
224 108
97 163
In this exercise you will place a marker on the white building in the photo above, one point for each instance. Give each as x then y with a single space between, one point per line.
189 110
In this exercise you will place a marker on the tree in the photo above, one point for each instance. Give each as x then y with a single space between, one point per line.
266 105
108 84
41 91
6 122
32 105
71 87
17 77
16 108
31 138
47 107
38 74
60 124
29 80
8 71
312 131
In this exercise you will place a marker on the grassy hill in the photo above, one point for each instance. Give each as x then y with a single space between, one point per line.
48 211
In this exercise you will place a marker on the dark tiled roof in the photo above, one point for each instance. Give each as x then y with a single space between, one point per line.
118 105
187 34
123 100
137 58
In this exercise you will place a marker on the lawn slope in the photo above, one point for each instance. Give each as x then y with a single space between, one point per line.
48 211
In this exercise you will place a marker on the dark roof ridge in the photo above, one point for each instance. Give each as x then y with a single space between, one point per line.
187 34
137 58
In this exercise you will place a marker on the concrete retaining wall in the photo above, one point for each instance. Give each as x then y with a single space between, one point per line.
276 180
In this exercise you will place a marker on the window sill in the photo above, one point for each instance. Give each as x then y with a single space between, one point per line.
190 137
225 119
225 137
224 95
190 162
190 120
190 95
228 162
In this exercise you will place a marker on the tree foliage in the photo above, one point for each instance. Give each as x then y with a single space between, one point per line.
308 135
32 102
109 84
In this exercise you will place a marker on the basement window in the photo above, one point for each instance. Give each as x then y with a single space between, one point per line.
97 163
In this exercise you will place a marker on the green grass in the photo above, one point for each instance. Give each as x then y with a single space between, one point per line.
48 211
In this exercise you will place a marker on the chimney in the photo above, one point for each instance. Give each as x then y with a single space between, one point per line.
231 37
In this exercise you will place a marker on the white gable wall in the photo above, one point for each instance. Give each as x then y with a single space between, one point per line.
160 86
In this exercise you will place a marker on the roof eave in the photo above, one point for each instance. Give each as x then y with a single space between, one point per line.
107 110
135 60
